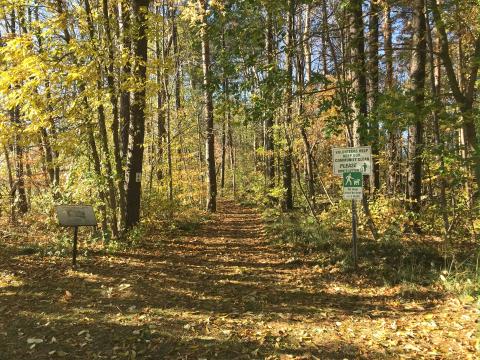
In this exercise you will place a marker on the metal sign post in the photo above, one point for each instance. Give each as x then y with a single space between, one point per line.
354 233
75 216
353 190
352 164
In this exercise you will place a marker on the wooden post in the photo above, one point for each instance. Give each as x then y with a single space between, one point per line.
354 233
75 240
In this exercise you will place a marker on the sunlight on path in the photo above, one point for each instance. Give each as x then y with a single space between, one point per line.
223 292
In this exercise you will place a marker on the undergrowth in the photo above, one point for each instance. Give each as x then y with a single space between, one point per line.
38 233
393 259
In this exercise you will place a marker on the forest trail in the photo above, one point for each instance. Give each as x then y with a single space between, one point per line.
220 291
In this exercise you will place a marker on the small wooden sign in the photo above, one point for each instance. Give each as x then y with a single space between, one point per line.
76 215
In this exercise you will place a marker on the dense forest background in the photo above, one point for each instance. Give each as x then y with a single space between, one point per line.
111 103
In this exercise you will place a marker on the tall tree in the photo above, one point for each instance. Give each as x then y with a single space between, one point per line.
389 88
15 118
102 125
417 87
358 72
207 93
373 79
359 85
269 141
287 158
135 161
435 86
304 74
115 127
125 74
464 96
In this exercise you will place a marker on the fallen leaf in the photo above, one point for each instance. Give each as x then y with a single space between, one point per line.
34 341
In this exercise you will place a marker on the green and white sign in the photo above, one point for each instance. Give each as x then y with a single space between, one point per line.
352 159
352 185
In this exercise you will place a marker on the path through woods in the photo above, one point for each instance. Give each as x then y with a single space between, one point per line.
222 291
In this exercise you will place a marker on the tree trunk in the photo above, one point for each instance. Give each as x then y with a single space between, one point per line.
287 159
373 66
226 99
435 84
11 184
135 163
101 118
232 153
389 82
126 73
324 40
98 171
178 102
269 141
224 152
359 84
417 79
358 75
167 111
307 48
161 131
47 153
303 67
119 175
19 188
207 93
21 201
463 98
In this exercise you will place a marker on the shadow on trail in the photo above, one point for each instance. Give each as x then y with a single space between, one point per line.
152 301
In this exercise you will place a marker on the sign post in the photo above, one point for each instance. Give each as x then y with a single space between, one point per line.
75 216
353 190
352 164
75 240
354 234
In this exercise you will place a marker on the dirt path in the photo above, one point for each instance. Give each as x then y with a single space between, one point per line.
224 293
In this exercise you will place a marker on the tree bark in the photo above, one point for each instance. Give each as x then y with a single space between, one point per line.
119 173
207 93
307 48
269 141
463 98
161 131
358 73
287 159
167 111
126 73
435 85
101 119
98 171
359 131
417 87
11 184
389 82
373 67
303 67
135 163
21 201
47 153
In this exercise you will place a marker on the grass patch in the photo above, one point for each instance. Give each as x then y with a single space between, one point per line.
392 260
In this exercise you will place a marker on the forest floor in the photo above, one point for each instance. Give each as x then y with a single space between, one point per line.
220 291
